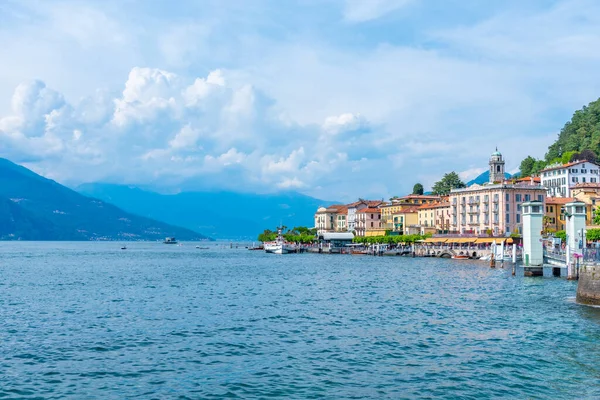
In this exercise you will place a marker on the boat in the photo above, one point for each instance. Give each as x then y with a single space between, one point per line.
202 248
170 240
279 246
123 247
461 257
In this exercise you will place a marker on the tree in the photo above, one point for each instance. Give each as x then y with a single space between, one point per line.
569 156
417 189
588 155
527 166
450 181
597 216
538 166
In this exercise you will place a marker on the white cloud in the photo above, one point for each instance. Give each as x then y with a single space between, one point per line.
344 123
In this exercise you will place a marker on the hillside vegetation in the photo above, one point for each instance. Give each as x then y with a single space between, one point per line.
579 139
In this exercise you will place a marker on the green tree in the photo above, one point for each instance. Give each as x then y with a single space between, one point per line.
569 156
538 166
450 181
527 166
561 235
417 189
597 216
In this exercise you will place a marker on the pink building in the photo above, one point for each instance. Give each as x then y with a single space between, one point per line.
493 207
367 219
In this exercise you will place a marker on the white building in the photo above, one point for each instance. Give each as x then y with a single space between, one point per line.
558 179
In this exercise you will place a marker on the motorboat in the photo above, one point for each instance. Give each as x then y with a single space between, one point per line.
461 257
279 246
170 240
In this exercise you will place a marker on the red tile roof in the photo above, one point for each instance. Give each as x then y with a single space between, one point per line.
369 210
559 200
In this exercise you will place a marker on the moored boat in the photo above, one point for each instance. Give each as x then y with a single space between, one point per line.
279 246
461 257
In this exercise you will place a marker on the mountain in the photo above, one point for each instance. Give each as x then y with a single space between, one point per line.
484 178
225 215
35 208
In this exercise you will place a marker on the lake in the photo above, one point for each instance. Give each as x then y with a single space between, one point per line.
88 320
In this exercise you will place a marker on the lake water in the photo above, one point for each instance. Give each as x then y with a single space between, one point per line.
88 320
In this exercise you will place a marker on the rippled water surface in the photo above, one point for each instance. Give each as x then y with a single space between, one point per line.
88 320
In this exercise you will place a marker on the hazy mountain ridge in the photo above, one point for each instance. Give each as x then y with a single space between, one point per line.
220 214
35 208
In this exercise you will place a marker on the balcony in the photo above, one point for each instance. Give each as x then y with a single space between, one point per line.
486 201
496 200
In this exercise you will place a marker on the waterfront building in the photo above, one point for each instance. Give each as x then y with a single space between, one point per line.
434 218
493 208
397 204
357 206
368 220
554 216
559 178
326 218
341 219
589 193
405 220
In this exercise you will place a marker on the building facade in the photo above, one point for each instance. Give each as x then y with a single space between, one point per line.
558 179
368 221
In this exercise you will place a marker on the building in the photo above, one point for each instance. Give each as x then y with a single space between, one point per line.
493 208
558 179
496 167
434 218
341 219
328 218
407 217
356 206
554 216
368 222
414 199
397 204
589 193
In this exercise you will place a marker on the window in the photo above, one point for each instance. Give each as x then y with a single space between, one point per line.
507 207
541 198
583 179
527 197
371 217
507 197
518 208
518 197
518 218
508 218
593 180
564 181
371 224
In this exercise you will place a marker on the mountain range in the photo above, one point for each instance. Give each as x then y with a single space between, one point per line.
223 215
35 208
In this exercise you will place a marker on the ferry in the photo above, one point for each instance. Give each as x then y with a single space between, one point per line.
170 240
279 246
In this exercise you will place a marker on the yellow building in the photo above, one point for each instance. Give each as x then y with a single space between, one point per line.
405 218
554 218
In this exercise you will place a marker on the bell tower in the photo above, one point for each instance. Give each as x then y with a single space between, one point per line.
496 167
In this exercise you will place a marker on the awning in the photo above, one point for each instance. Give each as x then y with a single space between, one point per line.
337 235
461 240
435 240
490 240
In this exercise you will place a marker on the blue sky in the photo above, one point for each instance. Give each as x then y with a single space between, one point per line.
336 99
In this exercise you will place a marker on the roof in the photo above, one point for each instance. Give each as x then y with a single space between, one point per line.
418 196
586 185
535 179
431 206
560 200
369 210
337 235
567 165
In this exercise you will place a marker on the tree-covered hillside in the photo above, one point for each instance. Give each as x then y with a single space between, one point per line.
581 133
579 139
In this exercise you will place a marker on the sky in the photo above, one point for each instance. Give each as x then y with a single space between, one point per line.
337 99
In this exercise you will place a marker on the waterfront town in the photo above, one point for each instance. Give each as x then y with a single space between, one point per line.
491 209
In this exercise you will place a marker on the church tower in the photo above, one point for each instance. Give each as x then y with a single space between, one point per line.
496 167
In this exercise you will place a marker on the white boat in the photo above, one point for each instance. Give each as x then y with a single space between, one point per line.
279 246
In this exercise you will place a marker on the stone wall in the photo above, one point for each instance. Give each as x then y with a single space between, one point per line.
588 287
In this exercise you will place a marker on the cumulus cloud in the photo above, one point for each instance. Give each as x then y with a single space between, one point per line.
163 127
